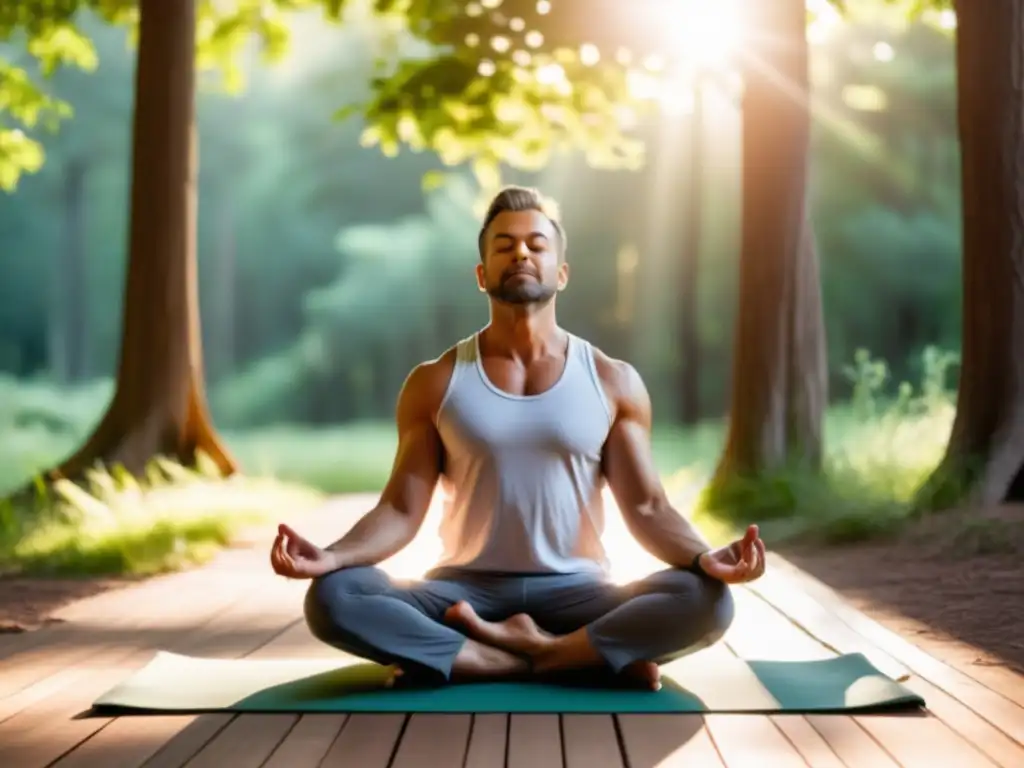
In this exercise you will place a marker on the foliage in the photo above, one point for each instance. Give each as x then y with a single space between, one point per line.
39 37
118 525
883 449
469 81
279 180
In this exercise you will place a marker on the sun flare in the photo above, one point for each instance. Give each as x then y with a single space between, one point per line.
707 31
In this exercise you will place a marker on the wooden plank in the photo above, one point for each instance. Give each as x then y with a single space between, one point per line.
174 739
764 741
590 741
964 737
667 741
808 742
366 741
114 621
1004 682
534 741
752 741
49 723
104 604
308 742
117 609
246 742
433 741
47 733
488 741
252 732
851 742
179 613
758 632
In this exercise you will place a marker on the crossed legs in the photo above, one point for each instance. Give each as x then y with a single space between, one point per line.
457 626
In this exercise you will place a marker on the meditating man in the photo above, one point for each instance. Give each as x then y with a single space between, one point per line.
523 423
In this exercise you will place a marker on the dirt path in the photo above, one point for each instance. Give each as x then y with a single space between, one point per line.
953 584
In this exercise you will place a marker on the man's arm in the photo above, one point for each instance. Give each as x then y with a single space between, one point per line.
393 523
632 476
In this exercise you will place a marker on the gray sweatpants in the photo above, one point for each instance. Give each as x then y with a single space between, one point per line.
666 615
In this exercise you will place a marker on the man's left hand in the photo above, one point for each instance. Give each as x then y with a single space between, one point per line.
736 563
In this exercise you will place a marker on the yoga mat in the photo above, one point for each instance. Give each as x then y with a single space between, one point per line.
697 683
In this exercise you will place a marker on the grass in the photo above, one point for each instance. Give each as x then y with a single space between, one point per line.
116 525
879 452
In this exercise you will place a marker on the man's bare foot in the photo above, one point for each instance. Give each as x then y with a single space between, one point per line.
645 674
477 660
518 634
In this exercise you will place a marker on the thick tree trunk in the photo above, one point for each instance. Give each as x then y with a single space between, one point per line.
985 454
779 369
159 406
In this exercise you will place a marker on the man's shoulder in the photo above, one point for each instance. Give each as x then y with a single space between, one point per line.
429 379
620 378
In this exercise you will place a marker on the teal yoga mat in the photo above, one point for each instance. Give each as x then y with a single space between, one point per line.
698 683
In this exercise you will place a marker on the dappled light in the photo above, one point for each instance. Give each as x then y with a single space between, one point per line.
762 253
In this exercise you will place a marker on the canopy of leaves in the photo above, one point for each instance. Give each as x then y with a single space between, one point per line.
39 36
486 81
510 80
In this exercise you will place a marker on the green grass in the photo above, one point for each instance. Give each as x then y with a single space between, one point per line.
116 525
878 454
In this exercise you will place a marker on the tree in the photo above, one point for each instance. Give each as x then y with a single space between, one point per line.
780 377
493 84
984 460
779 371
159 405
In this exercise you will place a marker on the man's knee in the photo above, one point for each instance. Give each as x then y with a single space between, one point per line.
706 606
328 598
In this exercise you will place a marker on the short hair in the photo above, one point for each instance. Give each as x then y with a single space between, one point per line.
515 199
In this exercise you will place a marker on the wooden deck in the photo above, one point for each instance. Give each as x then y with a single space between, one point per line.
237 607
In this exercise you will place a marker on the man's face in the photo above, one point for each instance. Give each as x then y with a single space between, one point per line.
522 262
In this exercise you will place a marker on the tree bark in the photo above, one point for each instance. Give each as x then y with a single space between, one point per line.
985 454
159 406
779 383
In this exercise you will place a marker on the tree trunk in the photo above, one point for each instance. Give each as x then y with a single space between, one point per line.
689 338
779 369
985 454
159 406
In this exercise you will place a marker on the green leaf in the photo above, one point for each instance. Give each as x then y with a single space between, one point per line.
433 180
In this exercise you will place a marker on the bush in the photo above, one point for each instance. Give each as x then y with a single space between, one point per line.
881 447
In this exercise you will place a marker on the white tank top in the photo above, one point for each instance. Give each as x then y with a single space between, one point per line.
523 472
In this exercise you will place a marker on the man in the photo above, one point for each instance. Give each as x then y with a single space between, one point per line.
523 423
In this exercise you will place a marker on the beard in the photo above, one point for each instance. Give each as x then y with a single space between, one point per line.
511 291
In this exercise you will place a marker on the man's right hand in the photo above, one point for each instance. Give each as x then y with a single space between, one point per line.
296 557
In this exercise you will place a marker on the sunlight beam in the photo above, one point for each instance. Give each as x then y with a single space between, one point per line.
708 33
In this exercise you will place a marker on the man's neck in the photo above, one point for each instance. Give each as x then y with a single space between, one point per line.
524 335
